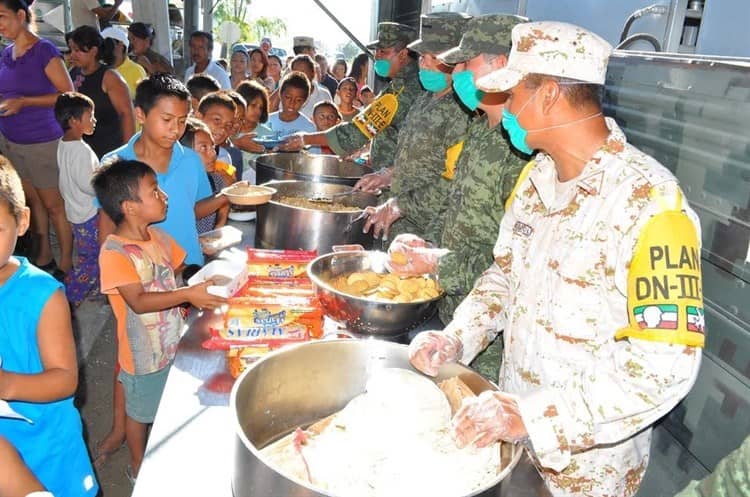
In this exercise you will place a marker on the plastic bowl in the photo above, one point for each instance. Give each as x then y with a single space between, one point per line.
248 195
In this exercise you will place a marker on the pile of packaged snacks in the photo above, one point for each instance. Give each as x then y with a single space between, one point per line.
276 307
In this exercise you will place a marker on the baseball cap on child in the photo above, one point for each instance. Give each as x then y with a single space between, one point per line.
554 49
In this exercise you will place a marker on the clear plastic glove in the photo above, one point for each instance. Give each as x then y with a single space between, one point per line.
380 218
431 349
485 419
410 255
292 143
374 182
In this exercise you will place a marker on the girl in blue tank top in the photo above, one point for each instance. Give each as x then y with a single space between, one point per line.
38 372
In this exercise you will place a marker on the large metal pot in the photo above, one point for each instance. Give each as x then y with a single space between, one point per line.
363 316
282 226
308 167
302 384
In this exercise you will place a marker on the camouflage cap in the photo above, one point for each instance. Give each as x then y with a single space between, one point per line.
390 33
440 31
488 34
303 41
552 48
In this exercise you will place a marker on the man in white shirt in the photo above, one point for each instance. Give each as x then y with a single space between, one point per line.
201 46
318 93
91 13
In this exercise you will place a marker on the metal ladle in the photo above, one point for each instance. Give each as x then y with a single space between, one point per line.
321 198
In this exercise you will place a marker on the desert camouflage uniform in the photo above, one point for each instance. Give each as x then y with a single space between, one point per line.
346 138
558 289
432 126
486 172
731 478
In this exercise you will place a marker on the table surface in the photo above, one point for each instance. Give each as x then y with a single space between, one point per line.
191 446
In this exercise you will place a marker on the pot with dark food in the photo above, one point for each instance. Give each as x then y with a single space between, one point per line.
311 216
308 167
365 315
301 385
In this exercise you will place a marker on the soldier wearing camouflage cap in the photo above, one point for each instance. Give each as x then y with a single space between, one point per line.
382 120
303 45
592 358
433 131
486 168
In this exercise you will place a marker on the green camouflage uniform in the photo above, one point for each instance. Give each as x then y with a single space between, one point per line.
731 478
433 125
346 138
486 172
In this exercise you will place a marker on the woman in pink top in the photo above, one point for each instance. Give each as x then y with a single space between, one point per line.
32 75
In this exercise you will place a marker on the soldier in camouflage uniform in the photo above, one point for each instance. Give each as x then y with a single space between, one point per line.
435 126
344 139
591 359
485 174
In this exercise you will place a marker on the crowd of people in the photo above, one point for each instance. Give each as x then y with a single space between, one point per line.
542 249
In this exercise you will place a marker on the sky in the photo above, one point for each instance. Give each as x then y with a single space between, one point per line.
304 17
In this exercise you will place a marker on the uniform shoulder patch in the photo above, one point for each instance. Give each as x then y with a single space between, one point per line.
377 116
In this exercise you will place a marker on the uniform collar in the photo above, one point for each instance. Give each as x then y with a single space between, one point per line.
407 73
592 178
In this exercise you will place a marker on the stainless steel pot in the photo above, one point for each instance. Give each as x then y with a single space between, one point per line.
302 384
363 316
282 226
308 167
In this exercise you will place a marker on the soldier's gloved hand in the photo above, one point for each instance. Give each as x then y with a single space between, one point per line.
292 143
380 218
485 419
374 182
431 349
410 255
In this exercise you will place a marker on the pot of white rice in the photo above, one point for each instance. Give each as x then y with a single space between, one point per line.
298 386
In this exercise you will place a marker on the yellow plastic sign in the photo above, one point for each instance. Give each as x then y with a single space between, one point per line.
377 116
665 291
451 157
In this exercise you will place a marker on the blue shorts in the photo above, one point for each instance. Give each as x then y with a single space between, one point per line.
143 393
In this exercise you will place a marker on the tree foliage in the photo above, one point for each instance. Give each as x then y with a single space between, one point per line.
251 31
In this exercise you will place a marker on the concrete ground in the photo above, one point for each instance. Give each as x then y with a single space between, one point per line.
94 328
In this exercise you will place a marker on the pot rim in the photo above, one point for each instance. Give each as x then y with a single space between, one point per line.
317 280
365 169
240 432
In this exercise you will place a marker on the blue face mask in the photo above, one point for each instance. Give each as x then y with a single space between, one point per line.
382 67
516 132
433 81
467 91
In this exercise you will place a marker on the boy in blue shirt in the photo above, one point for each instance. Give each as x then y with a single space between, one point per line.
162 105
294 91
38 366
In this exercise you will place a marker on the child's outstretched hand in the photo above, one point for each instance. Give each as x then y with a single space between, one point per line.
199 297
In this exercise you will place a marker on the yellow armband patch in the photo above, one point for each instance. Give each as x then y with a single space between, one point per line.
521 177
451 157
665 292
377 116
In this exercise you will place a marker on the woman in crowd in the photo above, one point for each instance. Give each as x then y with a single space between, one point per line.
339 69
360 66
32 75
115 55
238 66
253 126
141 37
259 68
274 70
115 123
346 93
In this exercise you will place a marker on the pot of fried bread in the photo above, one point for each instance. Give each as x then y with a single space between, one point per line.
356 289
352 417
